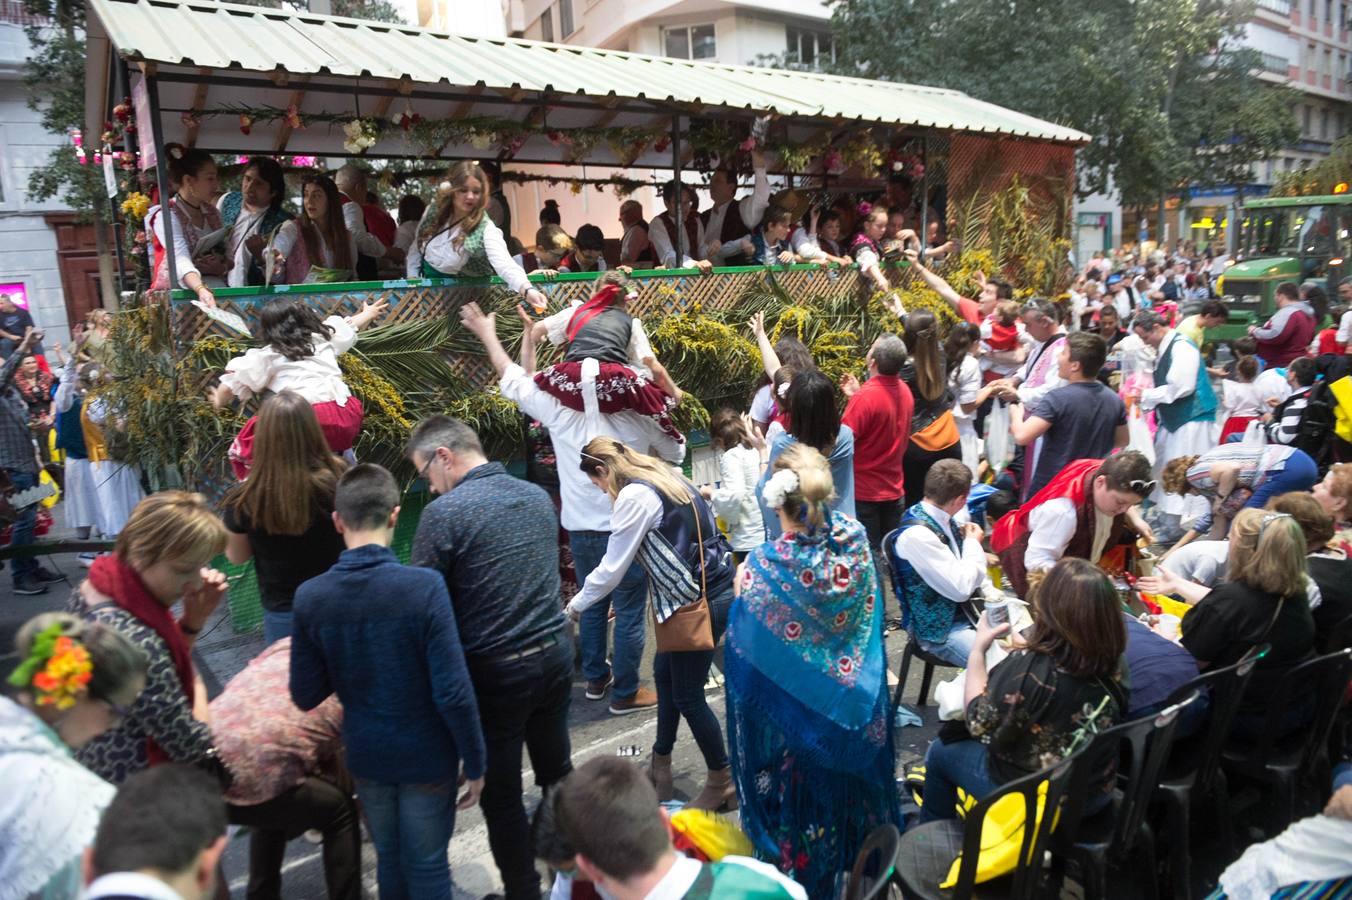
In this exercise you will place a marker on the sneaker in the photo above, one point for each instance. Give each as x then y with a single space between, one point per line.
644 699
596 690
29 587
87 559
47 576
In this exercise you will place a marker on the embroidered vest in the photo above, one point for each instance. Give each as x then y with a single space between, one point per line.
605 338
476 263
300 268
1199 406
930 613
182 225
732 231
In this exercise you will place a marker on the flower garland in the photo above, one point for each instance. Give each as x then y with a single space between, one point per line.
58 669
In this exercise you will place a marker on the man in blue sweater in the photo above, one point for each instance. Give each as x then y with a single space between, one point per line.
383 637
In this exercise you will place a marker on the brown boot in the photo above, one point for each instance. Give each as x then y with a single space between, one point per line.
718 794
658 770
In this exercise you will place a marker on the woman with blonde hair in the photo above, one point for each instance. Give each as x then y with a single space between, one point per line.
282 515
1264 601
661 520
74 680
807 683
160 558
456 237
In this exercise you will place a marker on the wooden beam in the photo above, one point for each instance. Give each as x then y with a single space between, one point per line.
605 119
514 94
463 108
199 101
284 133
280 77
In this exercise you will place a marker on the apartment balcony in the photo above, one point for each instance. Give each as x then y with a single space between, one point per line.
1280 7
1275 64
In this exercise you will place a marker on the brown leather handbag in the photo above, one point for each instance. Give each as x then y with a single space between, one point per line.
690 627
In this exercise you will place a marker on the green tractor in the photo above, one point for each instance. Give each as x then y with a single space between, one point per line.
1300 239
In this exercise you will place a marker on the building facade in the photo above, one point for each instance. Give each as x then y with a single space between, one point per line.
47 258
743 32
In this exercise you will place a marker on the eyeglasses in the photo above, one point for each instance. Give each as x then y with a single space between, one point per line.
422 473
1141 488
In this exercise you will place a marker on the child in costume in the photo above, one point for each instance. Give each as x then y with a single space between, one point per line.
299 353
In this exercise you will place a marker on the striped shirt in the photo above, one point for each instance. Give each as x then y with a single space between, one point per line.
1287 417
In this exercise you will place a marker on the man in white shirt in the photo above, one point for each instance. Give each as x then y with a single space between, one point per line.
586 508
942 563
1039 374
662 231
160 839
728 225
607 813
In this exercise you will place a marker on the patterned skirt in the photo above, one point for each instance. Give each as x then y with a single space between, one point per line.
618 388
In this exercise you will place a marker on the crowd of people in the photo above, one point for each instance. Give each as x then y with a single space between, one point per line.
1030 459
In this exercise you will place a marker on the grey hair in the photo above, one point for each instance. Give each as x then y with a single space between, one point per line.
118 664
1043 307
443 431
889 354
1148 320
351 173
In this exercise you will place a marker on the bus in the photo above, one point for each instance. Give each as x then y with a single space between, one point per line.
1300 239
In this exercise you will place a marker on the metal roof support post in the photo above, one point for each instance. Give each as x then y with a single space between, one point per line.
924 197
678 239
119 226
162 180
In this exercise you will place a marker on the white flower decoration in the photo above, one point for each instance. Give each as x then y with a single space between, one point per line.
779 487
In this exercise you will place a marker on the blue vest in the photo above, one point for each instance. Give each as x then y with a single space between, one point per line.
929 614
69 433
1199 406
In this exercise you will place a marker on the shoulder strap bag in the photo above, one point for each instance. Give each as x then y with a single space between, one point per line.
691 626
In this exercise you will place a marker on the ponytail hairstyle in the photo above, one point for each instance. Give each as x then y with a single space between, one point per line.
619 466
959 343
922 340
1246 368
334 229
801 485
549 215
185 161
727 430
115 668
456 177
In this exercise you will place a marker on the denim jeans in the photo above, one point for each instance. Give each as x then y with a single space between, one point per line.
411 827
314 803
23 566
961 764
680 678
957 646
630 601
522 702
1299 474
276 625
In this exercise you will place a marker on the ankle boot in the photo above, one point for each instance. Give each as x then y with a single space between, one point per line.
658 770
718 793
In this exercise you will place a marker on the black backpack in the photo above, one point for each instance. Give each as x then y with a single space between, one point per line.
1314 435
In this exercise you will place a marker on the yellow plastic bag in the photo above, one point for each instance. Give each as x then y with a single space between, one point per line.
1342 413
57 456
1001 835
712 834
44 478
1170 606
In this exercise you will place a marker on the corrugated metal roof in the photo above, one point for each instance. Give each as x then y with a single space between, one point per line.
205 34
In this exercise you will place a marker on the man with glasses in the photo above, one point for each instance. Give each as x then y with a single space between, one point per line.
1085 511
1184 405
1040 374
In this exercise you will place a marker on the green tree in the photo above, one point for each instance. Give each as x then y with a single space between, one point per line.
1165 87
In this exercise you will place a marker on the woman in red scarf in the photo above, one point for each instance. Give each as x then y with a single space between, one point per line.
160 558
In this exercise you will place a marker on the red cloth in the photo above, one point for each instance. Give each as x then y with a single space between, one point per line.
1328 342
117 580
340 424
1069 483
1003 337
1235 425
880 417
618 388
379 223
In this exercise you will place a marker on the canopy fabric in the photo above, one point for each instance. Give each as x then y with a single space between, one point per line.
252 56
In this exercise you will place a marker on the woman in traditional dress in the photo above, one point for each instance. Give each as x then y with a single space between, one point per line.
867 249
117 482
193 175
316 247
456 237
75 680
252 213
807 684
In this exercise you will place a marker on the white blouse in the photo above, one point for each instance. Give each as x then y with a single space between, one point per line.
317 378
442 254
183 264
289 234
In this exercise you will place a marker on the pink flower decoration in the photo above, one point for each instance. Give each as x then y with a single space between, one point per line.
748 145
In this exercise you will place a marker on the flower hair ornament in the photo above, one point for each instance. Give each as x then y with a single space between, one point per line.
864 208
783 389
779 487
57 670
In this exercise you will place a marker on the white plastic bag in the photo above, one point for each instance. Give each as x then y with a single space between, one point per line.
950 694
998 445
1138 433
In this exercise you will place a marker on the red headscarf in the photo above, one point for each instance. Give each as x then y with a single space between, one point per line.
602 300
